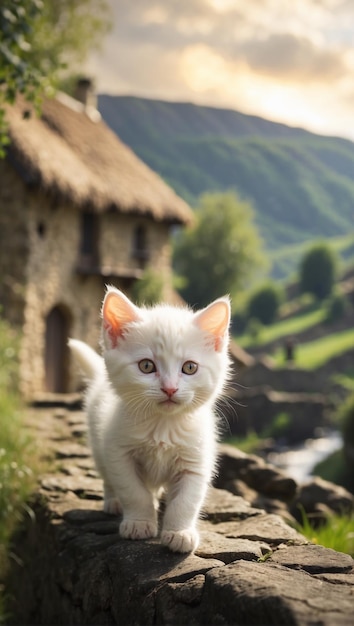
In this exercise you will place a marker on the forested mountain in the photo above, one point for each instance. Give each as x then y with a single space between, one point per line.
301 184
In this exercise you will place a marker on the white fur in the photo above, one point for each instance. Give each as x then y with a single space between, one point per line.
143 443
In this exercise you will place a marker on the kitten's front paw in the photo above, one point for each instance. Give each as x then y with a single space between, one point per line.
112 506
180 540
137 529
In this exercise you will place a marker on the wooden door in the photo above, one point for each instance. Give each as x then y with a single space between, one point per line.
56 351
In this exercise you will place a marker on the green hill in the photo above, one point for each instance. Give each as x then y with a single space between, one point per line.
300 184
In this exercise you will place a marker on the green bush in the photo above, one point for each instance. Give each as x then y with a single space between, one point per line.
239 322
254 329
264 303
19 464
14 473
347 420
336 307
279 426
148 289
318 270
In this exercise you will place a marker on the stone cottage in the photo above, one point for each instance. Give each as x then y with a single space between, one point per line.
78 210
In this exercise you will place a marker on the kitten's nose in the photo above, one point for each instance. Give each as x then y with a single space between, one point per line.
169 391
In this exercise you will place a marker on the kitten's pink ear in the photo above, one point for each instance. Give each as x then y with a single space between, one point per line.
215 320
117 312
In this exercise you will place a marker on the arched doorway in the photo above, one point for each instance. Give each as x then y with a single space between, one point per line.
56 350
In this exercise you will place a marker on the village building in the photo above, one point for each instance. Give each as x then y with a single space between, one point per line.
78 210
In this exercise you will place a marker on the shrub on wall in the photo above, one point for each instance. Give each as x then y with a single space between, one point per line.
148 290
336 307
264 303
318 270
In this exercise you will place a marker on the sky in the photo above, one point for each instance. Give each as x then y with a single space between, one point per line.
290 61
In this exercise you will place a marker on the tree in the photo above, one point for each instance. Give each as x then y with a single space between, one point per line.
40 40
318 271
264 303
220 253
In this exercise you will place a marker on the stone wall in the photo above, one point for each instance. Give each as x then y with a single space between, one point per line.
262 373
52 281
116 243
256 410
262 391
69 565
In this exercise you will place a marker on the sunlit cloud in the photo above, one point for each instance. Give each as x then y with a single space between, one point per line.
288 61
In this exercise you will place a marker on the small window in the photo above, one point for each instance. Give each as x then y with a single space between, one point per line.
89 241
140 247
41 229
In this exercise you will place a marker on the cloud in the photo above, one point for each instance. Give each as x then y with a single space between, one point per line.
291 57
291 61
284 45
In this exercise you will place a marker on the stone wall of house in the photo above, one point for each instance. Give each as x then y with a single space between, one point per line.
52 281
39 253
14 248
116 243
53 278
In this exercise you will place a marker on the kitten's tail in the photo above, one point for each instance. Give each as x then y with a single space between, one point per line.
91 363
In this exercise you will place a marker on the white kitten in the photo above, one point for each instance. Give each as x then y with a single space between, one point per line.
150 404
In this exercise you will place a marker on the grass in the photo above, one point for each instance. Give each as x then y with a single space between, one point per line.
248 444
336 533
251 442
18 464
316 353
285 328
335 469
345 379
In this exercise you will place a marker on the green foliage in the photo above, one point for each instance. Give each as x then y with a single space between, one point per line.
303 320
345 379
316 353
278 427
252 441
17 456
336 307
347 419
248 444
335 469
39 40
300 184
221 252
239 322
318 271
255 331
264 303
64 33
148 289
336 533
9 419
17 73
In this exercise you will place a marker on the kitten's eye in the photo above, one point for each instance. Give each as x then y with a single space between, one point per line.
189 367
147 366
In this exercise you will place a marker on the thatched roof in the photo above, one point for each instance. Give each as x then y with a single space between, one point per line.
70 152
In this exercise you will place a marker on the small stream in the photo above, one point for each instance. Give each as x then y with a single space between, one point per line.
299 462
